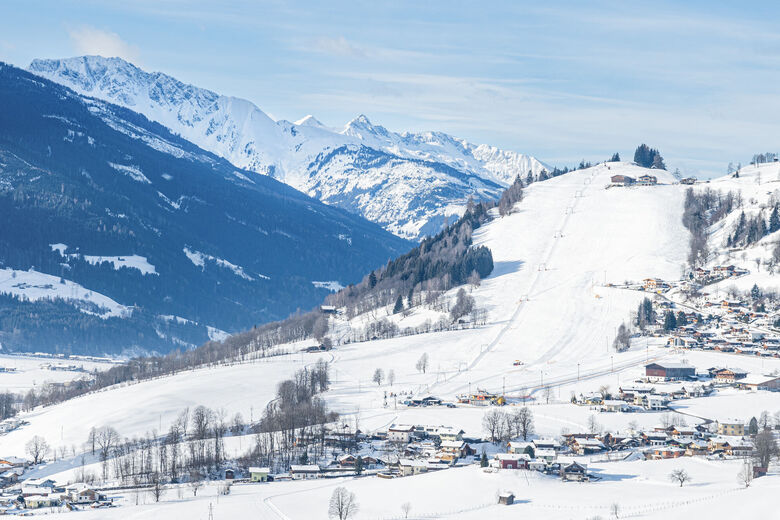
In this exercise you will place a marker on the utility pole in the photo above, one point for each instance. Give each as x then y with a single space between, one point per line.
578 372
211 511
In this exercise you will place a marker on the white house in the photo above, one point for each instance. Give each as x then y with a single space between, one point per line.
400 433
304 471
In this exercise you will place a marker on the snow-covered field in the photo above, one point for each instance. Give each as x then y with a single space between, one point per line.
640 489
33 371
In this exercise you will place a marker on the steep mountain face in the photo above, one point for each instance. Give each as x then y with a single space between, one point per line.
119 235
440 171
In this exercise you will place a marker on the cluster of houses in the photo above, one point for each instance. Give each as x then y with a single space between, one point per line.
681 382
713 323
45 493
720 272
662 442
625 180
643 180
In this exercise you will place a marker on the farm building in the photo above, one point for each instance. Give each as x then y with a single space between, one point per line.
669 371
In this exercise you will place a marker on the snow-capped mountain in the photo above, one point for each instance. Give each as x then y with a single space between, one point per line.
119 236
439 172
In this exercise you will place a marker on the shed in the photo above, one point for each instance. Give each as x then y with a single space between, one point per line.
506 498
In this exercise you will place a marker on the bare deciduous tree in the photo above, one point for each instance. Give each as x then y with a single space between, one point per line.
745 475
391 376
378 377
158 488
493 423
680 476
593 424
765 448
196 481
37 448
342 504
523 421
422 363
405 508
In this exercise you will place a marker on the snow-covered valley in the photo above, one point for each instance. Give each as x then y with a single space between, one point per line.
553 302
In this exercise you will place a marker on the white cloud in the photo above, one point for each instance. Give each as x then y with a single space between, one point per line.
90 40
339 46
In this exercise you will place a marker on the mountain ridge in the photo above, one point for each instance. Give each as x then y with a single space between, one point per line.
112 204
242 133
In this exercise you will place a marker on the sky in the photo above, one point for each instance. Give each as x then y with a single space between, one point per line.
562 81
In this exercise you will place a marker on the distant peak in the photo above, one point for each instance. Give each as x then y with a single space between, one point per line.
309 120
361 120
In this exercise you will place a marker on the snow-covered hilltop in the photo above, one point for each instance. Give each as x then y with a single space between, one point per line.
408 182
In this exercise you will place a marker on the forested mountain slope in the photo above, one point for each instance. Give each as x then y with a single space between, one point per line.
148 241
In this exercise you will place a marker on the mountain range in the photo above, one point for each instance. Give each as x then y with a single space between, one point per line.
409 183
119 235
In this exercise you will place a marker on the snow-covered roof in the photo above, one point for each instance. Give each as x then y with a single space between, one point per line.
304 468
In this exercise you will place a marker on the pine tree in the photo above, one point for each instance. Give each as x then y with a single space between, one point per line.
483 461
372 280
543 175
529 178
681 319
399 304
670 323
658 162
358 465
615 158
755 292
774 220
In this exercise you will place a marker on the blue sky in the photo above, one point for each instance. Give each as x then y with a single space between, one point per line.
560 80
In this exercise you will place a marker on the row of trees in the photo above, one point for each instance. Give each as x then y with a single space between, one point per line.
749 230
702 210
510 197
503 426
649 157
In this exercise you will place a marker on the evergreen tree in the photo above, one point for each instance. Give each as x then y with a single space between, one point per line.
372 280
658 162
648 157
399 304
774 220
753 426
358 465
529 178
529 450
670 323
681 319
615 158
645 314
755 292
543 175
483 461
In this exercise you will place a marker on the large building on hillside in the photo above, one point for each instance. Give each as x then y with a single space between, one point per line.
669 371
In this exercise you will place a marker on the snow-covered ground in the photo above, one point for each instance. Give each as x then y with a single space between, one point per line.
34 371
548 306
641 489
